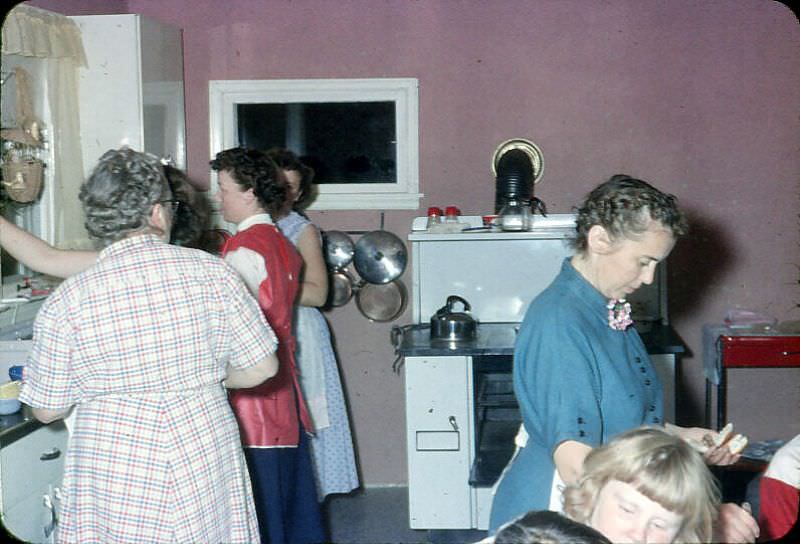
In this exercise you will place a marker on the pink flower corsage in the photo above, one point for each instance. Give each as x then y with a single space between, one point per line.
619 314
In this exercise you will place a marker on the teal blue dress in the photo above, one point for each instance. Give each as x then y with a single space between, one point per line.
575 378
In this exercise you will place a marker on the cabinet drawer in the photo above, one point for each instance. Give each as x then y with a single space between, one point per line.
438 441
30 464
760 351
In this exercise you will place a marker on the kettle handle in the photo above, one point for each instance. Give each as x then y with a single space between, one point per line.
452 299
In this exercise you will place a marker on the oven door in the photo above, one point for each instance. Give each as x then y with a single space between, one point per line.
497 418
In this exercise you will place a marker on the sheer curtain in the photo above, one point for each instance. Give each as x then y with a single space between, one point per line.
56 40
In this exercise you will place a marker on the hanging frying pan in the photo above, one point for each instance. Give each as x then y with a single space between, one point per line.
382 302
380 257
340 288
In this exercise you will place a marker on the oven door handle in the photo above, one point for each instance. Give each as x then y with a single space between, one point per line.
452 420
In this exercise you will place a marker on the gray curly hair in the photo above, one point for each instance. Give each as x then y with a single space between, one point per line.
120 193
624 206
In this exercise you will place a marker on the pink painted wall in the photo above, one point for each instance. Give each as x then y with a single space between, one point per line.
700 98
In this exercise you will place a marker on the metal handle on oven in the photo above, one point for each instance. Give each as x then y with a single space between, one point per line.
452 420
54 453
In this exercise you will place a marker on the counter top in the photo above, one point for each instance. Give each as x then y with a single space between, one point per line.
16 426
499 339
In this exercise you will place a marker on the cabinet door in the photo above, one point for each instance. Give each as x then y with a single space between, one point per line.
110 86
32 519
439 435
163 118
30 468
131 92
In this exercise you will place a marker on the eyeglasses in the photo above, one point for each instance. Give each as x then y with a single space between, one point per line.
174 204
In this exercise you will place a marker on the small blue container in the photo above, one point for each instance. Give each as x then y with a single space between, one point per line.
9 406
15 372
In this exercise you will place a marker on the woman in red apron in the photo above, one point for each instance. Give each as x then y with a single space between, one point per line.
272 417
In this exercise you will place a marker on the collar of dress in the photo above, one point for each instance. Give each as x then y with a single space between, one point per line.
128 243
596 301
257 219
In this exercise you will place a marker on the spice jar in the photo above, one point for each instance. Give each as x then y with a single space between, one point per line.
434 217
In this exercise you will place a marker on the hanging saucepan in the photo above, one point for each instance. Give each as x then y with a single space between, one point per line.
340 287
382 301
380 257
338 249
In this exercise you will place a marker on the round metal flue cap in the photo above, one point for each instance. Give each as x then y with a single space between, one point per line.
528 147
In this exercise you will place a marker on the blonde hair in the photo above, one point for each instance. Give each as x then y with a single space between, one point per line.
662 467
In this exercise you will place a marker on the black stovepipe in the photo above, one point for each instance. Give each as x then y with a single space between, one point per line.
514 178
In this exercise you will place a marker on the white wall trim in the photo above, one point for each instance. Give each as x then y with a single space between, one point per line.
404 92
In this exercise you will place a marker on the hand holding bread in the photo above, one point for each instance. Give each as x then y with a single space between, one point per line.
736 443
718 448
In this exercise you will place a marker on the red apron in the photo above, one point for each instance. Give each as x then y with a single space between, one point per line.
268 413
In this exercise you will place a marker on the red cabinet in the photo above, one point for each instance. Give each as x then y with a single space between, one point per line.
760 351
750 351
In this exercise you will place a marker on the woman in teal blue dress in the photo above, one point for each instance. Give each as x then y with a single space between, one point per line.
581 372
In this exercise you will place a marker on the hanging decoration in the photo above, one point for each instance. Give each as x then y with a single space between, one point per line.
22 166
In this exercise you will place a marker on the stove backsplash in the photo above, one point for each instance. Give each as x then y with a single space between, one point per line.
499 273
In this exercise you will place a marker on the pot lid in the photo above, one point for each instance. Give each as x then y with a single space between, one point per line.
338 249
380 257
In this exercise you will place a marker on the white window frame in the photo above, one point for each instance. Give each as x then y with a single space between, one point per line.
224 95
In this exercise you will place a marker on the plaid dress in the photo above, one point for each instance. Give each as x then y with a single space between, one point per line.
139 343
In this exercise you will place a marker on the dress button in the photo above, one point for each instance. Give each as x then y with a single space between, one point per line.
652 408
638 359
647 382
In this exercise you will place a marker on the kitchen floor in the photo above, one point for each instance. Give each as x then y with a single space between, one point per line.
379 515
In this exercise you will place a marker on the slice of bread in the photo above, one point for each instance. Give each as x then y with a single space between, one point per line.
723 435
737 444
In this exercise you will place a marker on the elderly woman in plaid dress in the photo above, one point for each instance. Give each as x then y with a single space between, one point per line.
140 344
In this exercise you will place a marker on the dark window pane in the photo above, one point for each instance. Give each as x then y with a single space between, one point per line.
348 142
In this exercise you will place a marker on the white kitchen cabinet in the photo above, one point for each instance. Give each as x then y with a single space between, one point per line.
439 441
131 93
31 469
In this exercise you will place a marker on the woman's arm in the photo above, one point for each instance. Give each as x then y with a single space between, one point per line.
252 376
314 287
568 458
37 254
48 416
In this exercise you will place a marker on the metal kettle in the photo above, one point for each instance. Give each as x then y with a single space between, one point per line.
447 324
